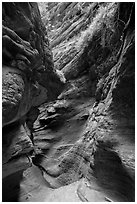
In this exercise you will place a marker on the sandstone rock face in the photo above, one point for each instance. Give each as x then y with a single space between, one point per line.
27 61
28 80
85 39
83 142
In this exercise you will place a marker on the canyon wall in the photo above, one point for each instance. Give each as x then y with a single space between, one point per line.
94 46
28 80
87 132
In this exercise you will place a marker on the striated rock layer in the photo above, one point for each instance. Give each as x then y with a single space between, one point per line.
83 142
28 80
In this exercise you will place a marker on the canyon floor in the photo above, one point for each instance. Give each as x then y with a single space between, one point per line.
39 184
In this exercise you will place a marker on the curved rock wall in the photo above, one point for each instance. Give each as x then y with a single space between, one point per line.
27 61
88 134
104 148
28 80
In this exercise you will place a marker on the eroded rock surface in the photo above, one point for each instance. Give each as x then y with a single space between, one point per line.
84 141
27 61
29 79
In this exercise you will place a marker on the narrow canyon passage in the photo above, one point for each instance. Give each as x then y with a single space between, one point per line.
68 102
108 181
